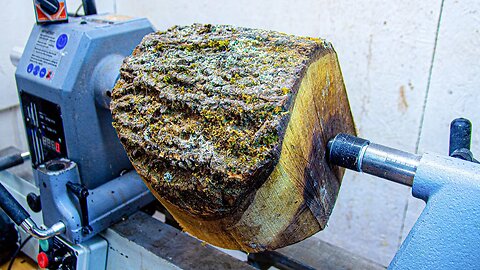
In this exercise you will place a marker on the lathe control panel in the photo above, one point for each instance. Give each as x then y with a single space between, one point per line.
44 127
55 254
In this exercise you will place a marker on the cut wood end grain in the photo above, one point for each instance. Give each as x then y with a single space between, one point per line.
228 127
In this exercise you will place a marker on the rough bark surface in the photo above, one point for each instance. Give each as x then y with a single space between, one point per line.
203 112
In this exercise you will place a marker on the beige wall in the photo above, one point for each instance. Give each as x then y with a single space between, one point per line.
405 84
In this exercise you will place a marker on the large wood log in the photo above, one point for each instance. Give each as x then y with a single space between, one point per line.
228 128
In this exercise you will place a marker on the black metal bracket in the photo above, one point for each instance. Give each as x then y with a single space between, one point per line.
81 192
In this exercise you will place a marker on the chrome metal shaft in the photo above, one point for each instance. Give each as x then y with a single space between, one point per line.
389 163
360 155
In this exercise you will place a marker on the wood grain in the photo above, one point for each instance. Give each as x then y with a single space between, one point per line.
288 192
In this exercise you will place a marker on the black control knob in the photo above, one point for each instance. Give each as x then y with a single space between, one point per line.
49 6
460 140
34 203
460 135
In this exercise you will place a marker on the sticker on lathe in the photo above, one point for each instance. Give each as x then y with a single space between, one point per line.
48 11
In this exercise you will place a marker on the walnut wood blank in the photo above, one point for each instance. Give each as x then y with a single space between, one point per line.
228 128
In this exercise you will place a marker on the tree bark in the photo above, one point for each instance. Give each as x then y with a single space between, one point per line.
228 128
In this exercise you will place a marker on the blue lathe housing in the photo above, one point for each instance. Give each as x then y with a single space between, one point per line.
64 79
447 233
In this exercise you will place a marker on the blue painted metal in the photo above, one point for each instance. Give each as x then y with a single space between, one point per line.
106 204
81 62
93 45
447 233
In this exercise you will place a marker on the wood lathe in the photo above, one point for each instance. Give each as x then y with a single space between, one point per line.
240 133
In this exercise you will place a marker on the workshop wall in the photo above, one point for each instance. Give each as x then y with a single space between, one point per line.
410 67
15 29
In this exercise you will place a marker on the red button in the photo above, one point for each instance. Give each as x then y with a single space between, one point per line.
57 147
42 260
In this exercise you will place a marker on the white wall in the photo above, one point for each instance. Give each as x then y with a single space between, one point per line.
408 72
14 32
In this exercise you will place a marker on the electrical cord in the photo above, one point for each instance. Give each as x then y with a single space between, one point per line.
78 9
18 251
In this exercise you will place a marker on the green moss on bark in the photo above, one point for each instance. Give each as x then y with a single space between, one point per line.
201 110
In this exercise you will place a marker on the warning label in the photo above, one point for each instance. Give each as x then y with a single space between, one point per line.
47 52
48 12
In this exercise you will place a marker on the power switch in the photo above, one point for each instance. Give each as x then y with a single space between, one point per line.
45 244
42 260
49 6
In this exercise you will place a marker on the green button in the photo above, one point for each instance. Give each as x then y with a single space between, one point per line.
44 245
